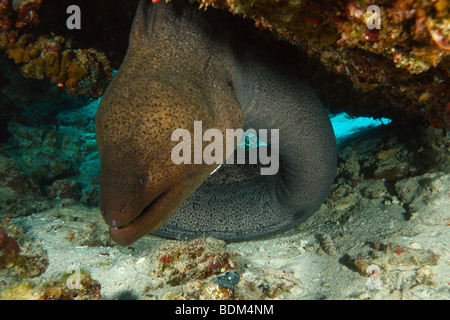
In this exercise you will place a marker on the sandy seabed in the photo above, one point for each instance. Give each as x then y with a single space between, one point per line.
383 233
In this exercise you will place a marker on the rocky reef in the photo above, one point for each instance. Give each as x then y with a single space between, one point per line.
51 156
399 70
402 65
84 71
382 233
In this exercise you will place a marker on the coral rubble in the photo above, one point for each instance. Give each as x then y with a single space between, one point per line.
19 258
197 260
203 269
56 290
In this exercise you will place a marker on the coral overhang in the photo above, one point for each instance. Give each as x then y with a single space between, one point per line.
405 62
400 70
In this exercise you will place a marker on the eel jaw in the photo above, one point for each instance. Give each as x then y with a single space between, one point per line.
160 208
150 219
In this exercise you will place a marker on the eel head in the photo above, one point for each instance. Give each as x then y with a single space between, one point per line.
140 184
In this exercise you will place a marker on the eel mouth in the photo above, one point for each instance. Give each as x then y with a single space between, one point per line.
150 219
146 210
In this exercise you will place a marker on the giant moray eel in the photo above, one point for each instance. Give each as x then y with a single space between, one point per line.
181 68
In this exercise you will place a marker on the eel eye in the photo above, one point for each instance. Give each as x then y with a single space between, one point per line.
143 180
230 84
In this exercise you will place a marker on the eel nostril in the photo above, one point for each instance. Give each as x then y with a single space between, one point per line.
122 210
103 212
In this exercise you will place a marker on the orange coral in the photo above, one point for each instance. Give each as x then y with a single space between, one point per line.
79 71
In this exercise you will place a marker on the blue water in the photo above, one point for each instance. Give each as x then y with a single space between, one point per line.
347 127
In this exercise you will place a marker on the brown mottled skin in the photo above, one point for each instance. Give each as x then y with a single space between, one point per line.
158 88
177 70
